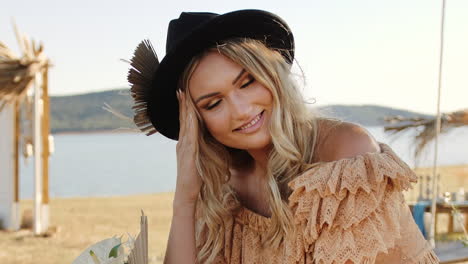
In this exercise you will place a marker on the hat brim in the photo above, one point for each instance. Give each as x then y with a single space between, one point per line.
163 107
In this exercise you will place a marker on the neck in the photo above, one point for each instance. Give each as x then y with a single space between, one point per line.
260 157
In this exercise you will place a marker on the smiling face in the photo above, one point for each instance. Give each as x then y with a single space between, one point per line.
235 108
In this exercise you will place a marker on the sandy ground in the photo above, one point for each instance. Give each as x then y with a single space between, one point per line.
81 222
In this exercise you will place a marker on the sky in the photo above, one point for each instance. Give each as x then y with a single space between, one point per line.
351 52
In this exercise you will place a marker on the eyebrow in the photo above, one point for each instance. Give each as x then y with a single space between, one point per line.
205 96
238 76
216 93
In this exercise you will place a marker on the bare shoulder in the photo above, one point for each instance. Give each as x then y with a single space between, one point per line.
339 140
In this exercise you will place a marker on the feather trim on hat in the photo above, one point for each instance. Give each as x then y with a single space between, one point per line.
143 66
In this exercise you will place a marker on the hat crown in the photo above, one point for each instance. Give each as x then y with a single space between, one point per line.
180 27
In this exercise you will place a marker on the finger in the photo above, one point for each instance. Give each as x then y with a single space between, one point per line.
180 107
191 119
182 114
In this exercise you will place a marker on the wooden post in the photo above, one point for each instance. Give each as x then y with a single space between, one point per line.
37 227
45 137
45 150
16 135
8 207
437 132
450 223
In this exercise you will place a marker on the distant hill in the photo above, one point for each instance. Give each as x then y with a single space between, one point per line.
85 113
366 115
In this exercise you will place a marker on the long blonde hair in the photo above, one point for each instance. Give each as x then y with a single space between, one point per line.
293 130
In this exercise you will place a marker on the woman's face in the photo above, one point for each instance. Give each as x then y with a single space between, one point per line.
235 108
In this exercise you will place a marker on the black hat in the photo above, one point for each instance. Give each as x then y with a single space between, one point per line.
154 83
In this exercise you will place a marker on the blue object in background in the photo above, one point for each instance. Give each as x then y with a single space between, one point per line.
418 214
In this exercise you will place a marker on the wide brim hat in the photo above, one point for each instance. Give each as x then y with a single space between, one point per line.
154 83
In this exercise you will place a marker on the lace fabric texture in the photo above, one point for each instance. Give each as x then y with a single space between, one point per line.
347 210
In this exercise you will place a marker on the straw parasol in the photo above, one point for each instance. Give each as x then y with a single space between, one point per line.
449 121
17 73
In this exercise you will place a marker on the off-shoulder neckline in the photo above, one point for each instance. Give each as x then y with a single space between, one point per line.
384 150
245 215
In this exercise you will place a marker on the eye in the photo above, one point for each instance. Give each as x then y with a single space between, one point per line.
251 79
211 106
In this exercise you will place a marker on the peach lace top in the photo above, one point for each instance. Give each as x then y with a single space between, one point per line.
350 209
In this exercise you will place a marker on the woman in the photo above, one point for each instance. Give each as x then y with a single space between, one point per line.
260 178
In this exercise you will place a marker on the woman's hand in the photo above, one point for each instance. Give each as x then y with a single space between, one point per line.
188 183
181 247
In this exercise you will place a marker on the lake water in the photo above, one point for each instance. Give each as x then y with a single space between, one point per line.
122 164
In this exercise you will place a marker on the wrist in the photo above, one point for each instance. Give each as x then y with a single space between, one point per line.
184 202
184 209
186 195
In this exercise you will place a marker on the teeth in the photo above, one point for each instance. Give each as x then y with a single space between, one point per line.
253 122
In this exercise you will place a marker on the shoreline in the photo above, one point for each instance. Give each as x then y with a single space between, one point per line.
116 196
453 176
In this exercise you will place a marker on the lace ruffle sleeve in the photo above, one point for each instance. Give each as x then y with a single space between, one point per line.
353 210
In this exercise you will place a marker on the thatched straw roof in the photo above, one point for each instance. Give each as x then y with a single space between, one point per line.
448 121
17 73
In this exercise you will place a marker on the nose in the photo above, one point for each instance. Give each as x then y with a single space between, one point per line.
241 109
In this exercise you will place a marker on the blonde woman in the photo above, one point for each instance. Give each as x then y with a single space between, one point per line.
260 177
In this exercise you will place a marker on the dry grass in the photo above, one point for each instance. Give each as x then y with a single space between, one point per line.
84 221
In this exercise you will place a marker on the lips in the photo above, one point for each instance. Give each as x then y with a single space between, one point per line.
252 122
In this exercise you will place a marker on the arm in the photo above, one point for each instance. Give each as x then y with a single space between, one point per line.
181 247
181 244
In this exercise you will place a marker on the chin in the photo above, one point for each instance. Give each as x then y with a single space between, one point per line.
250 143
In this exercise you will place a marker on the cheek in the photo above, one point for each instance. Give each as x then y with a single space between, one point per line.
216 124
268 97
263 95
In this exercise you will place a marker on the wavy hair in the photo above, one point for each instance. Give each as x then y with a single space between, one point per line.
293 129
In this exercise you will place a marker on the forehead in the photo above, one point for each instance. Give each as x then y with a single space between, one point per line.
213 72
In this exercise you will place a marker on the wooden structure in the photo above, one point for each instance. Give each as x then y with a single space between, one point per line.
23 82
447 208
